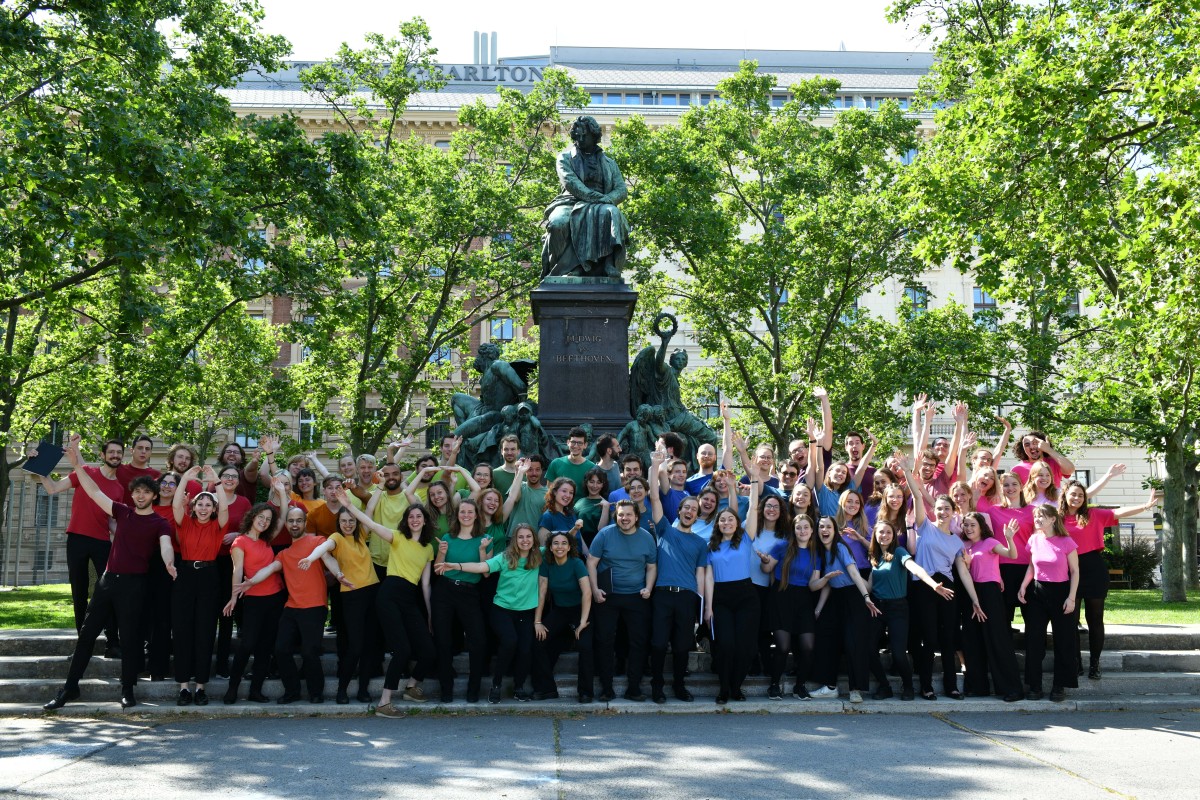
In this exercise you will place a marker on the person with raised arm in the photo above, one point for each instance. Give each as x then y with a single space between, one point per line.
768 523
983 457
386 506
827 485
731 608
526 499
195 601
988 643
120 592
790 606
228 477
558 514
563 618
1035 447
1086 526
1047 596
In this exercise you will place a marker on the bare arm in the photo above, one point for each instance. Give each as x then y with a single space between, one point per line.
656 461
179 501
752 515
317 465
865 462
317 554
726 437
1066 465
514 491
1129 511
85 481
826 419
1002 445
1116 470
593 563
960 430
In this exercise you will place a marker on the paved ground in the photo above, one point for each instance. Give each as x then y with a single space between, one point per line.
1046 755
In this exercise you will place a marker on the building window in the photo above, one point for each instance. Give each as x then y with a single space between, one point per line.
502 330
1073 304
45 514
442 144
614 98
306 352
440 356
909 157
434 434
246 437
253 266
777 100
850 313
308 436
918 296
597 98
1084 476
985 308
668 100
633 99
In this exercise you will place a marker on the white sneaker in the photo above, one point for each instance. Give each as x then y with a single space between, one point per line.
855 696
824 692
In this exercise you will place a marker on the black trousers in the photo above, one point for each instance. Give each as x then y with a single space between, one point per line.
224 623
935 621
843 627
561 623
514 634
988 646
194 604
301 629
156 618
895 619
356 635
405 630
1011 576
673 621
1044 606
117 599
458 600
82 551
735 614
634 610
257 633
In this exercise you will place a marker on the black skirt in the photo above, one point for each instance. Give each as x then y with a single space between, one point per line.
1093 576
791 610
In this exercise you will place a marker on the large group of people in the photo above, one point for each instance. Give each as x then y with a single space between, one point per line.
802 568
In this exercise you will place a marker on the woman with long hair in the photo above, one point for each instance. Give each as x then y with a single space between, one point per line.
1047 596
802 503
882 479
888 582
851 520
1035 447
456 597
563 618
768 523
229 479
988 643
843 622
558 512
791 605
513 608
1086 526
1011 507
985 485
731 603
1040 488
262 603
593 508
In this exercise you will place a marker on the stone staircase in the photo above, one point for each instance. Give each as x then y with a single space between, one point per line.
1143 665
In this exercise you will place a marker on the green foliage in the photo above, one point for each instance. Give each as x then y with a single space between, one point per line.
1139 560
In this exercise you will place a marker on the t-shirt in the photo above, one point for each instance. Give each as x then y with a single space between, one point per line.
936 551
199 541
237 512
257 554
563 468
618 494
801 568
125 475
503 480
321 521
135 542
87 518
1022 469
307 505
679 556
462 551
355 560
306 587
614 475
763 543
703 528
841 561
697 482
730 564
1091 536
528 508
859 550
498 533
555 521
1000 517
1048 554
827 500
167 513
743 506
562 581
888 580
985 562
670 504
627 555
868 479
517 589
407 559
589 510
389 512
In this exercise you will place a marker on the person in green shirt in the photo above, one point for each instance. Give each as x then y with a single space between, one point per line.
456 596
527 498
513 607
573 465
564 620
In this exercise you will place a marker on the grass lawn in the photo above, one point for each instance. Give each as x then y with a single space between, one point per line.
50 607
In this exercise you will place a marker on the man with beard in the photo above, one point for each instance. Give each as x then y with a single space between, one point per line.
526 500
138 466
510 451
120 592
88 531
388 510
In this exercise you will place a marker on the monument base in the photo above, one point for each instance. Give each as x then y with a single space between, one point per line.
583 364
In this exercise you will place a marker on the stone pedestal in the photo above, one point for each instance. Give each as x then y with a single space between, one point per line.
583 366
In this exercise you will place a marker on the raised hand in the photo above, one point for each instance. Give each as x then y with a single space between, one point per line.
960 412
1007 425
820 393
724 405
269 445
920 401
1117 470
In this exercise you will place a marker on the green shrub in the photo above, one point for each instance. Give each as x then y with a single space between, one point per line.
1139 560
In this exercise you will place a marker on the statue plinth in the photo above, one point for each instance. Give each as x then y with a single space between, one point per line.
583 373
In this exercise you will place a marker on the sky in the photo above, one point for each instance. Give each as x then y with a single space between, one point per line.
530 27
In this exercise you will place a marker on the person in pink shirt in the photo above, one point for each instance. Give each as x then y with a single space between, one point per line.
1034 447
1040 485
1047 597
1011 508
1086 526
988 643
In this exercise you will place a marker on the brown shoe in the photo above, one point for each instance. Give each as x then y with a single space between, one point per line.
415 694
388 710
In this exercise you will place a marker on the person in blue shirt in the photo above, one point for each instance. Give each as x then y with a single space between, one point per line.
843 622
730 603
790 606
559 513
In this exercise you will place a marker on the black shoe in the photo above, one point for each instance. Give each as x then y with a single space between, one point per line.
635 695
112 651
473 695
585 698
774 692
1013 697
800 693
200 698
230 696
222 670
128 700
364 695
1033 694
681 693
907 693
606 696
722 699
184 698
288 697
494 695
343 697
522 696
550 695
1094 671
1057 694
62 698
738 695
256 696
658 696
883 691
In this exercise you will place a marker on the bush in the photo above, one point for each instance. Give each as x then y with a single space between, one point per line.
1139 560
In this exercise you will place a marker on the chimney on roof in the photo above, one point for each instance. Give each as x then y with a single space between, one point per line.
495 53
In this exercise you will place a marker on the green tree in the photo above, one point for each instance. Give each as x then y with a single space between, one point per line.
436 240
1067 161
778 223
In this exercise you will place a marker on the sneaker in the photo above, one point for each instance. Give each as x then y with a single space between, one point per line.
855 696
883 691
128 700
522 696
200 697
414 694
800 693
774 692
388 710
550 695
1057 694
825 692
494 695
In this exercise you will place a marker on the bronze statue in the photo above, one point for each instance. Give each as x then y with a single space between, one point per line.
586 234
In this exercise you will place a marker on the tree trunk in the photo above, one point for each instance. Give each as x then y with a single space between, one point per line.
1191 510
1175 525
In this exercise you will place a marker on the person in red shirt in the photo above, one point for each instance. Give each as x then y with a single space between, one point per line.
88 534
195 599
121 589
138 466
